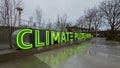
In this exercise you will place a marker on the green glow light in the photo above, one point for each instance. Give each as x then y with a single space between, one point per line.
37 39
63 55
19 39
55 37
63 38
49 37
67 33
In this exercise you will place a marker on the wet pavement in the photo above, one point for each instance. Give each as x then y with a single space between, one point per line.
4 46
96 53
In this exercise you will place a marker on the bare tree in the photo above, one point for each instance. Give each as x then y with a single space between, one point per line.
38 16
89 17
8 14
57 23
43 24
69 24
111 12
81 22
97 18
63 21
91 20
30 22
49 25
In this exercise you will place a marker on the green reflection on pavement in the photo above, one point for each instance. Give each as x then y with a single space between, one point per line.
62 56
32 62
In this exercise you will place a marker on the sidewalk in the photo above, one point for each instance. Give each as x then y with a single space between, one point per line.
4 48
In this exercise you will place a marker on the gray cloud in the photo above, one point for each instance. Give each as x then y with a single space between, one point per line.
50 8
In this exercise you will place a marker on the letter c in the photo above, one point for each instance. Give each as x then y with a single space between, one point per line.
19 39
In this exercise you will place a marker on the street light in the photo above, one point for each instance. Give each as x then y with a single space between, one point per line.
19 9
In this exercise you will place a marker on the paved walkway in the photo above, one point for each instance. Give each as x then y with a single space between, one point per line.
4 48
97 53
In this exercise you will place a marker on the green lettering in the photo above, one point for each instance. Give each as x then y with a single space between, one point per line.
71 36
47 38
19 39
55 37
37 39
63 38
67 33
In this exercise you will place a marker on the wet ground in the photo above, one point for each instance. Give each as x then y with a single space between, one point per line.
96 53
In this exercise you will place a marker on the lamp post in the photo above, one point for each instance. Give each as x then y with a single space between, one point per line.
19 9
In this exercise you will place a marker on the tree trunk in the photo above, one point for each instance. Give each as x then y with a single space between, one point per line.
10 37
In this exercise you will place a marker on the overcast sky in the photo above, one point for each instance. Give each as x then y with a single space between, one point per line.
51 8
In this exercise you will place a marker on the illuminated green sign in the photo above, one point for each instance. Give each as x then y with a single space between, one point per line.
41 38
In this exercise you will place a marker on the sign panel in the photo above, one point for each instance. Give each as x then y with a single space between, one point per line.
41 38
